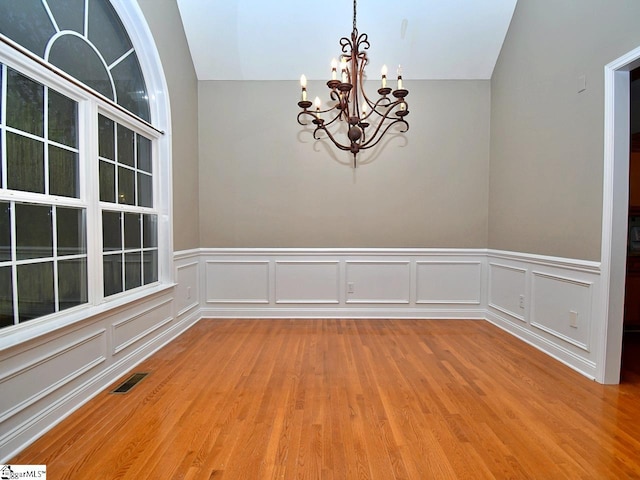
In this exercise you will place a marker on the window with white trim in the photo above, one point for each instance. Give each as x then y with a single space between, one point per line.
129 235
79 216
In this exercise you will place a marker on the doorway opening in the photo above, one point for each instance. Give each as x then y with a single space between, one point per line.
615 214
631 320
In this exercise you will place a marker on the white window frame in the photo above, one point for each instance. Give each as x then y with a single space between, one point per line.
159 131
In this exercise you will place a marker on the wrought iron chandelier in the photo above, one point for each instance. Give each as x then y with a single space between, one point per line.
367 120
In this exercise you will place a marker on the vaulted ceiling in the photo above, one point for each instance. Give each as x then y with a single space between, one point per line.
279 40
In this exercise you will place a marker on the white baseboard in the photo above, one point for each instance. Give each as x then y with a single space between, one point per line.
553 349
395 313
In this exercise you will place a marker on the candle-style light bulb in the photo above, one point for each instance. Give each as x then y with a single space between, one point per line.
399 77
343 69
303 84
317 103
384 76
334 66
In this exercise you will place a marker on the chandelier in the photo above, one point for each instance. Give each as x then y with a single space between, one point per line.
367 120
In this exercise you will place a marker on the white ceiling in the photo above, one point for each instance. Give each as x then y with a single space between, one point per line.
279 40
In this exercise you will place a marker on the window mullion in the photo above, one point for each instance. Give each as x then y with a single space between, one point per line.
135 170
123 257
116 167
45 126
3 116
89 192
140 217
54 238
14 267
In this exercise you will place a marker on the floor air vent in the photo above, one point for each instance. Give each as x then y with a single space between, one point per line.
129 383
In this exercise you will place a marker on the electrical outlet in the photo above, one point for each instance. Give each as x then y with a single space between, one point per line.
573 319
188 292
521 301
350 287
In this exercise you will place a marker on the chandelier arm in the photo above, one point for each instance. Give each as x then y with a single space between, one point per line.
314 114
333 120
379 103
338 97
389 108
331 137
334 96
302 113
368 144
385 117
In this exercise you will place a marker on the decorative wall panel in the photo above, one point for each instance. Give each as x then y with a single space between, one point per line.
562 307
242 281
48 371
378 282
507 289
187 286
307 282
131 330
446 282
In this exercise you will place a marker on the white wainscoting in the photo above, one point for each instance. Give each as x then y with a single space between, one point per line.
458 282
46 374
551 303
507 288
548 302
237 281
363 283
552 313
187 289
378 282
59 366
320 282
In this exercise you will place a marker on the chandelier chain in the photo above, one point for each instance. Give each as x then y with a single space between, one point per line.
354 14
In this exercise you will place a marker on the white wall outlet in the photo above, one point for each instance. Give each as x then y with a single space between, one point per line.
521 301
350 287
573 319
188 293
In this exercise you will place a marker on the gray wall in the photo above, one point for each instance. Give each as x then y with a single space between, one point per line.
264 182
259 180
546 138
164 21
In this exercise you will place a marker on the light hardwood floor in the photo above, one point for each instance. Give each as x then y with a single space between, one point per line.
350 399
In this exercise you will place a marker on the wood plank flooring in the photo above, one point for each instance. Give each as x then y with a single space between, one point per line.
350 399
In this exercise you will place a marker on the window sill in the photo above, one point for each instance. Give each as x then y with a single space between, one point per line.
33 329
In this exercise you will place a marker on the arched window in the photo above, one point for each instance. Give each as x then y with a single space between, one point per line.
84 38
83 160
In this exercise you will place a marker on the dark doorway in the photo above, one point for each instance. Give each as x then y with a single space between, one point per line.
631 336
